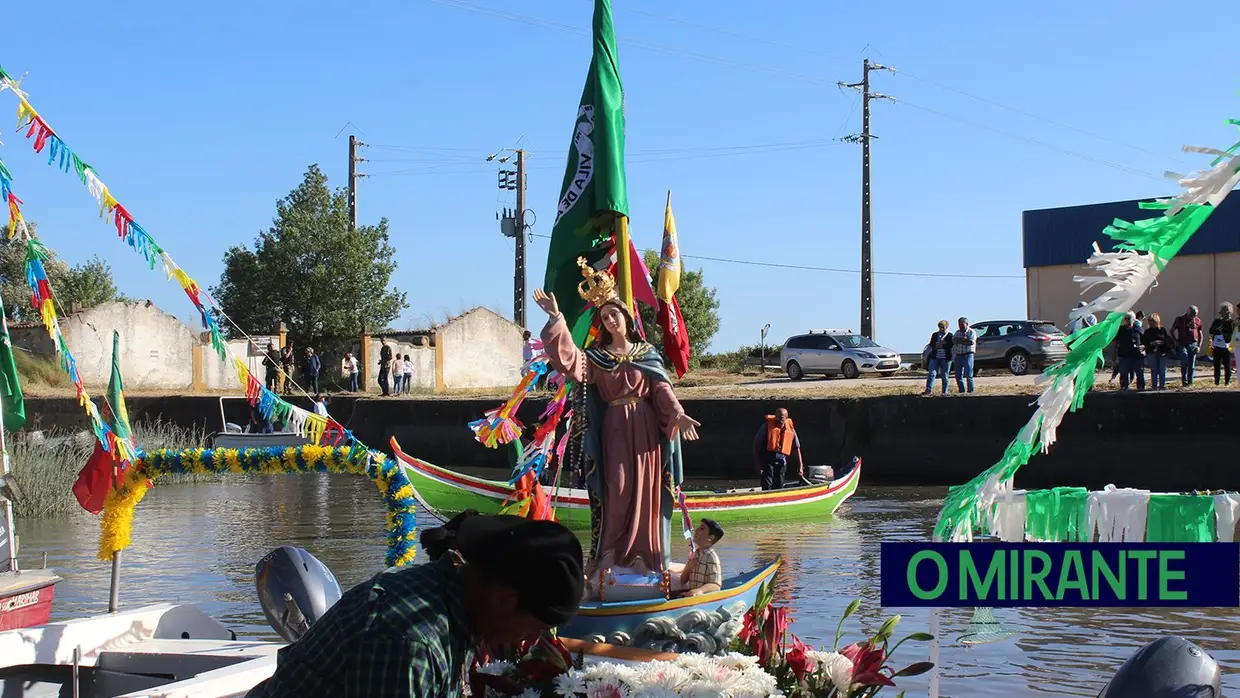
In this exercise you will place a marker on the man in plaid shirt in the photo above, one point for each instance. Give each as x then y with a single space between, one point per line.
703 573
411 632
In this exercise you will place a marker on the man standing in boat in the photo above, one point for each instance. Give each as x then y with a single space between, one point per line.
775 441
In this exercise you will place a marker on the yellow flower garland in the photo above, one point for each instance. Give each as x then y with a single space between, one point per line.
116 522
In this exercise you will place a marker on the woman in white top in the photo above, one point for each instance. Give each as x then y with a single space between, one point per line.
408 374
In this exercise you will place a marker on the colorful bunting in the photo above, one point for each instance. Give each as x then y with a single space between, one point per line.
44 137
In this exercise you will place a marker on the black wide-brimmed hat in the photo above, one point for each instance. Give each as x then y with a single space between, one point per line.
540 560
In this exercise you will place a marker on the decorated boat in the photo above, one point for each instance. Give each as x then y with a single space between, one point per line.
446 493
706 623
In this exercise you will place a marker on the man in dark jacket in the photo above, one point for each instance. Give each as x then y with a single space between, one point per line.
1187 332
311 365
385 367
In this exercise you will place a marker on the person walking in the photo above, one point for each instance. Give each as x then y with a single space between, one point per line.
1159 348
964 346
1130 352
1187 331
1222 331
385 367
775 441
940 356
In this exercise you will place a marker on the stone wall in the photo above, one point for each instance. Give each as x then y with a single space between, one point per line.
479 349
1133 440
416 345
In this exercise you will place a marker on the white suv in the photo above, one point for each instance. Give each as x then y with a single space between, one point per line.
836 353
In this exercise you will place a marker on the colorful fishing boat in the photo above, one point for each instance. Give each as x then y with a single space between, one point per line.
446 493
706 623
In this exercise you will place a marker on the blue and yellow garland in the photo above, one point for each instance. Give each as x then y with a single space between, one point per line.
388 476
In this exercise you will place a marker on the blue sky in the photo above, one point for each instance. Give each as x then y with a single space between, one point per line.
200 116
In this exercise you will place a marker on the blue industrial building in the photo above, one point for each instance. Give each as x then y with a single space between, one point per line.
1058 241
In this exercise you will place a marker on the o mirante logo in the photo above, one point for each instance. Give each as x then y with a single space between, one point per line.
1060 574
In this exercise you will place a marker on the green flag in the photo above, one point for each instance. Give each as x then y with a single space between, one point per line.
10 386
593 195
116 393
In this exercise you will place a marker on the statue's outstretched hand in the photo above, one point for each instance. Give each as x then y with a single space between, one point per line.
546 301
687 427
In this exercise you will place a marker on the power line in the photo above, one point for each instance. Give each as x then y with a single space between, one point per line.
834 270
927 81
1034 141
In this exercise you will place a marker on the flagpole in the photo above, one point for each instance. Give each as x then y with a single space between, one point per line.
9 533
623 263
5 469
114 590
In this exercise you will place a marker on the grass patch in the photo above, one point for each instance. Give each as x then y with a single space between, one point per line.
46 469
39 371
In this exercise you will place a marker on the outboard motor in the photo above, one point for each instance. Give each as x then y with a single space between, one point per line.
1170 667
295 590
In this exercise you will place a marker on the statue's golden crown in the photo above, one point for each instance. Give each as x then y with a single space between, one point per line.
598 287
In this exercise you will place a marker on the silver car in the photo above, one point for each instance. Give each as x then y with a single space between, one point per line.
836 353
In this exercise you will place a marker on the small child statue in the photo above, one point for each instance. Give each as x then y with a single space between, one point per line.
703 573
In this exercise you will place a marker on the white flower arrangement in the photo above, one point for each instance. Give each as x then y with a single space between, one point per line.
689 675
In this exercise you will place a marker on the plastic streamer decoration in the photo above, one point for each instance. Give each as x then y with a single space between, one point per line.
1142 251
41 300
388 476
500 425
320 430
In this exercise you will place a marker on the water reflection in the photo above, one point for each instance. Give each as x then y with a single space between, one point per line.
199 545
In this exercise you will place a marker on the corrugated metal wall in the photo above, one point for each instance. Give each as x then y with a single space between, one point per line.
1057 236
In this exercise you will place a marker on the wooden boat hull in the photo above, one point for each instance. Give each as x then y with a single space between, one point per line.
26 598
620 622
447 493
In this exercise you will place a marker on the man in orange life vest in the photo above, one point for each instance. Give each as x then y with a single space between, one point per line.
776 440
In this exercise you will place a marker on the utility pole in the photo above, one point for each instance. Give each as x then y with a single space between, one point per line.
353 177
518 307
867 246
513 225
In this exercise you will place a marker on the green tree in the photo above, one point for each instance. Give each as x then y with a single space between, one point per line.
310 271
86 285
698 305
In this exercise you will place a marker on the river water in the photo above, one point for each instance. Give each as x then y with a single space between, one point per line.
199 543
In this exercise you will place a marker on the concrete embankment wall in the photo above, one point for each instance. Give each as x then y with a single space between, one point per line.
1168 441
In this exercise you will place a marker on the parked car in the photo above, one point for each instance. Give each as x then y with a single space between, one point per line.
836 353
1018 345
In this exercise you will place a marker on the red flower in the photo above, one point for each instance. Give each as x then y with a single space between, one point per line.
773 633
867 660
798 659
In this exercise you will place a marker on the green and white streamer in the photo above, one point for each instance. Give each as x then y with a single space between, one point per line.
1143 248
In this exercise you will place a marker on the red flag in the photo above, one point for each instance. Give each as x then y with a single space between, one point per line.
675 335
94 480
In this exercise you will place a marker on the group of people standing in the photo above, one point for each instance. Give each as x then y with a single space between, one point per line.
395 372
280 364
1144 341
951 349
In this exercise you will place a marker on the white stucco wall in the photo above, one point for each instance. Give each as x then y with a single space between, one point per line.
480 349
422 356
156 348
221 375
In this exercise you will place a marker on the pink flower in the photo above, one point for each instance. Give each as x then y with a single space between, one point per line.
867 660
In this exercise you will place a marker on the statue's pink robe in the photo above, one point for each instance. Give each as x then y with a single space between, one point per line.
632 526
